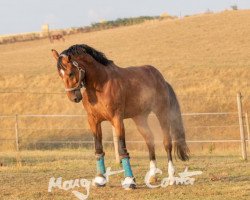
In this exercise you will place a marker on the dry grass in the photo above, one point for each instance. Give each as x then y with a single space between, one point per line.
205 58
200 55
224 177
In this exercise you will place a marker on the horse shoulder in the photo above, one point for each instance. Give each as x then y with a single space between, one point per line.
113 91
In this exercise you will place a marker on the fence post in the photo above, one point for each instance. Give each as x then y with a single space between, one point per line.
115 139
248 129
242 136
16 130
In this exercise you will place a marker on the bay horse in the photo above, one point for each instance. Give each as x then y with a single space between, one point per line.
111 93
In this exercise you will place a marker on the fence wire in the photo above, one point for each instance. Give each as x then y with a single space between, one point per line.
35 129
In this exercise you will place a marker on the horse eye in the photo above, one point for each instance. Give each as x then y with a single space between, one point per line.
71 75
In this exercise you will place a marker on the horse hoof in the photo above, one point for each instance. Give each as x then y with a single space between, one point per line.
171 182
129 183
99 181
153 179
131 187
98 185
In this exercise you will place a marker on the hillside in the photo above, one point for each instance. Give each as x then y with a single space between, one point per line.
205 58
200 55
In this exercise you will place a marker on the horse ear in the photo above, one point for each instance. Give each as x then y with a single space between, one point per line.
55 54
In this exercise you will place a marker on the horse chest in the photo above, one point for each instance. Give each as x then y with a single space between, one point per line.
100 110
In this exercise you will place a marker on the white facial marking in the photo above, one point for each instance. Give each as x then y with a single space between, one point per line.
62 72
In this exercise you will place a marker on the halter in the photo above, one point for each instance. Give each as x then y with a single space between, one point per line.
81 73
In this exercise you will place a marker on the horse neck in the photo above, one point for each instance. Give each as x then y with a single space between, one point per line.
96 76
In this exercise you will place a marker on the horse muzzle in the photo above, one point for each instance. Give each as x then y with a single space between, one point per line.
76 96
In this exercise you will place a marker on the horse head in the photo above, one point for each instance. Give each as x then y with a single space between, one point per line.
72 74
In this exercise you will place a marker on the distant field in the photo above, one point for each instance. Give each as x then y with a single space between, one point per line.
224 176
205 57
201 56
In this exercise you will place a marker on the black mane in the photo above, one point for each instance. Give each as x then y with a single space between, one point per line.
80 49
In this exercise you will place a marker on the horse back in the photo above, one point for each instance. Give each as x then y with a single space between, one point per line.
143 85
130 91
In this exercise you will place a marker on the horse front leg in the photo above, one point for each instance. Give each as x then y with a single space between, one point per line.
129 181
100 179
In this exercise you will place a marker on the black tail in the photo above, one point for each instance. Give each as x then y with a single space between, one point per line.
177 129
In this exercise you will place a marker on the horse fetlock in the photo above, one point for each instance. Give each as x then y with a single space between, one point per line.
152 171
171 172
152 175
171 169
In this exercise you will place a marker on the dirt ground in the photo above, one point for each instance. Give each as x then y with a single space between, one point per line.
224 176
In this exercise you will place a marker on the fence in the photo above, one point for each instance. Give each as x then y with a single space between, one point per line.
32 131
26 129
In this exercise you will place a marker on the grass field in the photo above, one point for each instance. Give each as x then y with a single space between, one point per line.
26 175
205 57
202 56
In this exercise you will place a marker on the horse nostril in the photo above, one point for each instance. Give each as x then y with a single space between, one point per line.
75 100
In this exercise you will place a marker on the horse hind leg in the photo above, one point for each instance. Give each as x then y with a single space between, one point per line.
167 142
143 128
